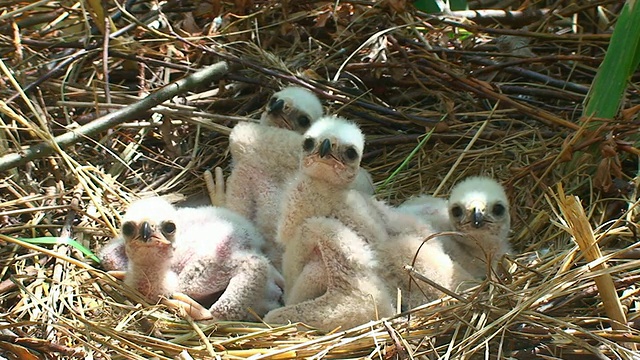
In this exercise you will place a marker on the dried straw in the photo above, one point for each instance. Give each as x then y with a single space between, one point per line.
438 98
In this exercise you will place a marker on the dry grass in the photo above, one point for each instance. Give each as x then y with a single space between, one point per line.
493 110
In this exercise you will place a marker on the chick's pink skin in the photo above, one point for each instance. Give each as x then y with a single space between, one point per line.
149 249
218 257
214 257
328 264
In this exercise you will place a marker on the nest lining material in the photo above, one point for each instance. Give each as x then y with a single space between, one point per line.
439 99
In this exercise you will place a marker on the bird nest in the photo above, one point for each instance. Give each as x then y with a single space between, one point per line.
92 118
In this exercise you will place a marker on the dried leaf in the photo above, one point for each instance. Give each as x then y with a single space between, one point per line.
399 6
243 6
322 18
630 113
20 351
602 179
189 25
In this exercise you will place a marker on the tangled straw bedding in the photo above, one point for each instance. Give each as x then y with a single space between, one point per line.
439 98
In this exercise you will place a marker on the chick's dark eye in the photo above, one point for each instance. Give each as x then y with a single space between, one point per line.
304 121
308 144
498 209
456 211
168 228
351 153
272 101
128 229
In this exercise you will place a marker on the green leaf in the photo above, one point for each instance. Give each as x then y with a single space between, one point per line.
620 62
437 6
51 240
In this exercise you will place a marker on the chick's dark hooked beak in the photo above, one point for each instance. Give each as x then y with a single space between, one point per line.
145 231
275 106
478 218
325 147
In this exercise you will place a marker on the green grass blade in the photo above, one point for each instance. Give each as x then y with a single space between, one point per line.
437 6
405 162
51 240
620 62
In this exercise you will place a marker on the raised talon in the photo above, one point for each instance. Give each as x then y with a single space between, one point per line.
220 195
215 188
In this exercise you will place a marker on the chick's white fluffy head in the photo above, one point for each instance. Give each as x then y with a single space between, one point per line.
340 128
148 229
154 209
479 203
332 150
480 189
303 100
479 208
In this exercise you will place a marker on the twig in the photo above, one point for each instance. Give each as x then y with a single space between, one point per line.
547 80
588 292
494 16
477 87
44 346
400 348
342 98
540 93
67 230
211 73
413 272
105 60
531 34
59 69
516 18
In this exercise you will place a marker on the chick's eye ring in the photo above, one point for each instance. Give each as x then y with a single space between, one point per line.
304 121
498 209
129 229
456 211
351 153
308 144
168 228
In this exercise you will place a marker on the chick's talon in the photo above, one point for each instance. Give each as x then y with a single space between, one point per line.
118 274
216 187
188 307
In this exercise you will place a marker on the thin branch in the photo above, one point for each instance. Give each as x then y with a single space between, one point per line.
204 76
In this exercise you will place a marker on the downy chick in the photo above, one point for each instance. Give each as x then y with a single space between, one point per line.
209 254
478 209
329 266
